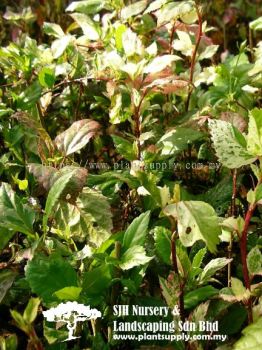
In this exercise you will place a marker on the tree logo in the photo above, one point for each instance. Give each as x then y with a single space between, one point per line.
71 313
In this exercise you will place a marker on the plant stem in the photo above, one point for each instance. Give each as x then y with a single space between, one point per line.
193 61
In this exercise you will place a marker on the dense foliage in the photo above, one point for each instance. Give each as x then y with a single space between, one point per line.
131 167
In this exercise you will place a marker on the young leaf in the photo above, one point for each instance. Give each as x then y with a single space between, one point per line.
31 309
21 323
229 144
198 258
196 221
77 136
134 256
136 232
46 275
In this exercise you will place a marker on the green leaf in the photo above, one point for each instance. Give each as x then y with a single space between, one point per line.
211 268
89 28
76 136
96 281
162 238
15 215
133 9
177 140
136 232
31 309
229 146
192 299
53 29
47 77
90 7
254 261
196 263
48 274
254 137
134 256
68 293
7 278
160 63
54 194
251 338
124 147
196 221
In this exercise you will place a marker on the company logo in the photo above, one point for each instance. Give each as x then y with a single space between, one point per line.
71 313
